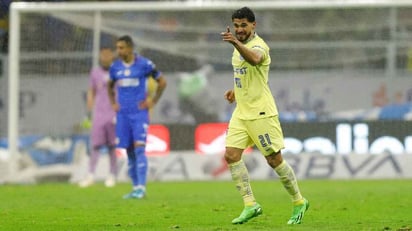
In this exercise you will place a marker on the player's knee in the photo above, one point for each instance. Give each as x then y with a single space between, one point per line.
274 159
233 155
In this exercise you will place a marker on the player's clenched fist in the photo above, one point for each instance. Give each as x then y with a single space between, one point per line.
230 96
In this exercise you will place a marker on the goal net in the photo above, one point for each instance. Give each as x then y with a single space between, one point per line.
53 46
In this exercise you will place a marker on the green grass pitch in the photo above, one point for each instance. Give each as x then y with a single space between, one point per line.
335 205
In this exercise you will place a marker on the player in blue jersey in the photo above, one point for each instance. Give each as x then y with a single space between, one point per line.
130 74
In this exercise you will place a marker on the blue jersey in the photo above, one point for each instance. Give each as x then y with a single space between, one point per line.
131 82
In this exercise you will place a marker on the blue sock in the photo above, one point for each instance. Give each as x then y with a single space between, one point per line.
132 167
141 165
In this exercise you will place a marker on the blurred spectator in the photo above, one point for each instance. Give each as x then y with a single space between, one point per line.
195 97
380 97
396 110
4 24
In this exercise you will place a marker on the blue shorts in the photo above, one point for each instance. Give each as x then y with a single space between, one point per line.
131 128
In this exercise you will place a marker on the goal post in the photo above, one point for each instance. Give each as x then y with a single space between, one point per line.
181 33
14 74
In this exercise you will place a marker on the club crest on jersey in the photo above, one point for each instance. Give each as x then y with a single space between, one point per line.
127 72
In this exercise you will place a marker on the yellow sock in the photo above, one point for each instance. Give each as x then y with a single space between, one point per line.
240 176
299 202
288 179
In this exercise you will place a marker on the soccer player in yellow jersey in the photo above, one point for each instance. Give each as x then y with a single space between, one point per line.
255 118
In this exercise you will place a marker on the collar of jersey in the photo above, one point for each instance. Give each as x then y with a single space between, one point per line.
129 64
251 37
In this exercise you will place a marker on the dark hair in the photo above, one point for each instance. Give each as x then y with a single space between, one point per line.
127 39
244 12
106 48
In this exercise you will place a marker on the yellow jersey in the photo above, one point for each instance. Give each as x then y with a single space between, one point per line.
254 99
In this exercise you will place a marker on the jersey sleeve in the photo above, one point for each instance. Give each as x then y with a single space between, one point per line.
261 50
152 71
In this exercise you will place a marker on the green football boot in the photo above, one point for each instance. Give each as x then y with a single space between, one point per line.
248 213
298 213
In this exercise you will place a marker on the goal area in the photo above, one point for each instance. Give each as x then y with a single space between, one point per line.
53 46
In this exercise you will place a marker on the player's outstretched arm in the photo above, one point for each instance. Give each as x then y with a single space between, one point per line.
251 56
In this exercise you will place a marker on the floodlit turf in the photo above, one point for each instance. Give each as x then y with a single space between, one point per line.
335 205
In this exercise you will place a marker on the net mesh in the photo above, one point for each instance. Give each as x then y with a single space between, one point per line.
325 38
56 50
318 56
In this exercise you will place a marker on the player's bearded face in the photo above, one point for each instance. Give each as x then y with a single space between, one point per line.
243 28
123 51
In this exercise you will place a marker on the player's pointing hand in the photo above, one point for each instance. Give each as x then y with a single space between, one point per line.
228 36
